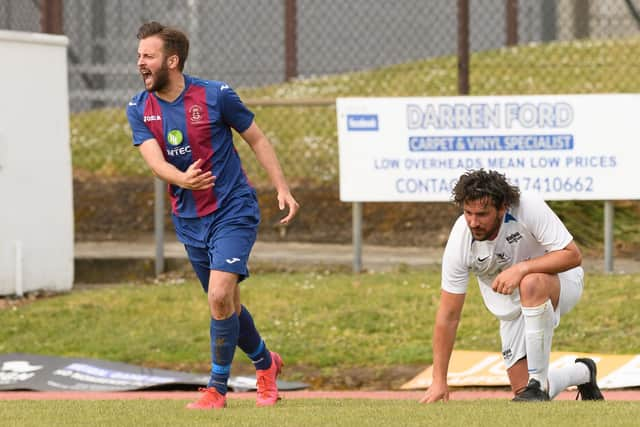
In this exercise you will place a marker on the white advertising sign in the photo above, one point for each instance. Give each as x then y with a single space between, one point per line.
566 147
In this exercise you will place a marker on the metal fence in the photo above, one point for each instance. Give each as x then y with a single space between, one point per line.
251 43
290 59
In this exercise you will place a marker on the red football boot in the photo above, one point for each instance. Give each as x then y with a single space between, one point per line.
266 381
210 399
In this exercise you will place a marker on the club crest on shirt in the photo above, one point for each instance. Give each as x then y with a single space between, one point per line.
502 257
195 113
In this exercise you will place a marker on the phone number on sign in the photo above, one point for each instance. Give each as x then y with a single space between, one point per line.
555 184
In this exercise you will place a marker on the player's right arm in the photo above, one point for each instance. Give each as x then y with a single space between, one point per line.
444 335
193 178
455 279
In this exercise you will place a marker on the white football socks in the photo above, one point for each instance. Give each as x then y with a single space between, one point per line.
561 378
538 328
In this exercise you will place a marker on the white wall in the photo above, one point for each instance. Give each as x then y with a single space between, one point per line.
36 199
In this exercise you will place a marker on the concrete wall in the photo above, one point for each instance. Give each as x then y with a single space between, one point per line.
36 209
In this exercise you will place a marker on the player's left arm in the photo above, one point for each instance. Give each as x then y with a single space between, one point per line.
551 263
266 155
562 253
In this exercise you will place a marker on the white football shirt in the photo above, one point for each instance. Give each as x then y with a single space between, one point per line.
528 230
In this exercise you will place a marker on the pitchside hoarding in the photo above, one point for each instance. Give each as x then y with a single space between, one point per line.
565 147
20 371
480 368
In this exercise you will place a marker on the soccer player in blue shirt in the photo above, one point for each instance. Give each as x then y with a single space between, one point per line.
182 127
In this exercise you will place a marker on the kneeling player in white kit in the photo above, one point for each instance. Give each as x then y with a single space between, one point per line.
528 270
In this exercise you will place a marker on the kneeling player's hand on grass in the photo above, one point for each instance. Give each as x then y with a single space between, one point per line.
436 393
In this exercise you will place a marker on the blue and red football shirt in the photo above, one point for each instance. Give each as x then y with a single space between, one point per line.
197 125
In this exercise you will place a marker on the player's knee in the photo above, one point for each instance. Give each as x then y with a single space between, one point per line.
533 286
220 304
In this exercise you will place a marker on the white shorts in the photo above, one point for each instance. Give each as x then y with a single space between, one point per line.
512 331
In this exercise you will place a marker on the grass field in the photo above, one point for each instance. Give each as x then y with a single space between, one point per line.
321 322
319 412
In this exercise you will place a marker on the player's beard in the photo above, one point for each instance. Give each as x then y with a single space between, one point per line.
160 79
491 233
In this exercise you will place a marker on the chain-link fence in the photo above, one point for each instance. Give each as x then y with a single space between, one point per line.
290 59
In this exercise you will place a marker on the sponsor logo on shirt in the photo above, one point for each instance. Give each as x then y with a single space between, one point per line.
513 238
174 137
175 152
507 354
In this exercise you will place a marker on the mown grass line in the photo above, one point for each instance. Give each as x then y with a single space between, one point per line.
318 412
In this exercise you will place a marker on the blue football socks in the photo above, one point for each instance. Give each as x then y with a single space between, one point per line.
224 337
251 343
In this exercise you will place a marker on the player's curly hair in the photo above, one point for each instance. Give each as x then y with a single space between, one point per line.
175 41
480 184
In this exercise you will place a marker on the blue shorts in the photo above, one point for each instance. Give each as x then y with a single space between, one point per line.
221 240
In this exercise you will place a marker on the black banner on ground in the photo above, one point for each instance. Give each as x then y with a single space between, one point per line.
47 373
